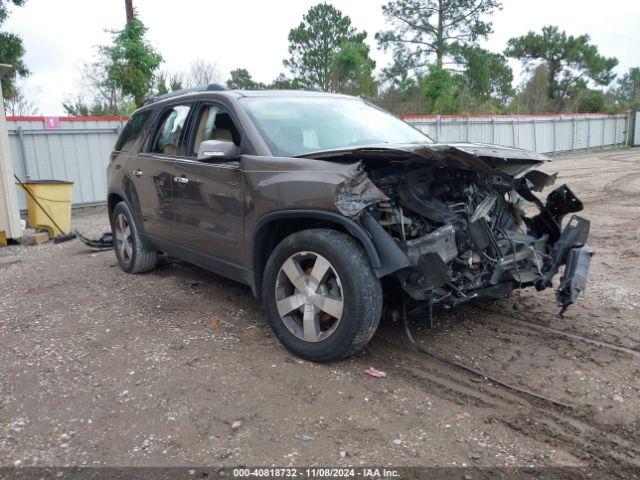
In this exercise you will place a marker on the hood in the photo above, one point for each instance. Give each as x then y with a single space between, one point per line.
466 156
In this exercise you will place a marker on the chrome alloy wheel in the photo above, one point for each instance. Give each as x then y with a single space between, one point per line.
124 238
309 296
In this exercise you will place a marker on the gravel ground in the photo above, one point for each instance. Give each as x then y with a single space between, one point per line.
177 367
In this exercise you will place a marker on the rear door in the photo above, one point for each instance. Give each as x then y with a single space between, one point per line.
208 197
155 168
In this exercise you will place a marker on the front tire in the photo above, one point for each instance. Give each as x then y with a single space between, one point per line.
132 254
321 297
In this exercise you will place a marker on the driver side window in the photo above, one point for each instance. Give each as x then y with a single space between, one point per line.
214 123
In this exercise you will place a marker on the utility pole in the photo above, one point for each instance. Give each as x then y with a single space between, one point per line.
129 6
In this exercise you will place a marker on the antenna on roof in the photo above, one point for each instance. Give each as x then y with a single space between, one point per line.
215 87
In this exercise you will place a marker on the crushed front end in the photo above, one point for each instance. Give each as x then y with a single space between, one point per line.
463 222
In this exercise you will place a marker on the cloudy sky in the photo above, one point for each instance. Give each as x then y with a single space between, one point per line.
60 35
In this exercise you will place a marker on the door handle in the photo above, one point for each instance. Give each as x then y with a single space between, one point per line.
137 173
181 179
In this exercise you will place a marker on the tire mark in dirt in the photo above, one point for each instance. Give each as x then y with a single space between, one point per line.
545 318
574 429
572 336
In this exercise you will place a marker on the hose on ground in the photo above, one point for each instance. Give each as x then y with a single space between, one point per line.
461 366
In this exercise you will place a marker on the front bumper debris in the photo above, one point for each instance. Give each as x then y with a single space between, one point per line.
574 280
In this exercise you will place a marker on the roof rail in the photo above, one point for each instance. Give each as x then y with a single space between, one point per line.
212 87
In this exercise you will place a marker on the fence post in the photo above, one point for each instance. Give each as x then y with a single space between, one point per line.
467 128
493 129
604 128
573 134
513 131
535 135
555 146
588 133
23 154
438 129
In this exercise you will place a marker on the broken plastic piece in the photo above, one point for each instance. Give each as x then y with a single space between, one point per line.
356 193
103 243
375 373
574 279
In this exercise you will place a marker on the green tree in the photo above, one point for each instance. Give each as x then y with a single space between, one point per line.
168 82
77 107
11 52
466 92
20 104
426 29
628 89
403 100
532 94
282 82
132 62
352 71
590 101
327 52
106 97
241 79
486 75
439 86
570 61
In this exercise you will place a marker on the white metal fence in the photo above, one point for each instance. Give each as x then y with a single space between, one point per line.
77 149
540 133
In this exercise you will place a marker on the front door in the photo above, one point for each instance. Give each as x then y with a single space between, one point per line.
208 197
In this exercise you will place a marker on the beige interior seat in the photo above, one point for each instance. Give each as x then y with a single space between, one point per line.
169 149
222 134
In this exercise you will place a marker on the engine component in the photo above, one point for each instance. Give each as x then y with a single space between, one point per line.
441 241
463 235
484 208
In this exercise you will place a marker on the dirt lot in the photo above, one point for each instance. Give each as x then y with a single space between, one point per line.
177 367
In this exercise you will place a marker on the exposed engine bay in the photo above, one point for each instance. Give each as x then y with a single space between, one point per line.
470 227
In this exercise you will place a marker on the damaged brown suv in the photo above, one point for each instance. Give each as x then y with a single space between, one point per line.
325 205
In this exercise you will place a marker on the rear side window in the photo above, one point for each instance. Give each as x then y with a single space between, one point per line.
170 136
132 130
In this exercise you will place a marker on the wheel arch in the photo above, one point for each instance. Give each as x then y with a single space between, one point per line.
113 198
275 226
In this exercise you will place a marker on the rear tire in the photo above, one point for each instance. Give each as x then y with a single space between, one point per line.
132 253
321 297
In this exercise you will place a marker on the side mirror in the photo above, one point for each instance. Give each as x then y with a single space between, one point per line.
217 151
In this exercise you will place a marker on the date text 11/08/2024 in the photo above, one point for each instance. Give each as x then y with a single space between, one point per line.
315 473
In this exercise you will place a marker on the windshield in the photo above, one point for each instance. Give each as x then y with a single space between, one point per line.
297 125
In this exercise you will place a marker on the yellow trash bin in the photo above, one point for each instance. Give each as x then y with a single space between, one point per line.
55 198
